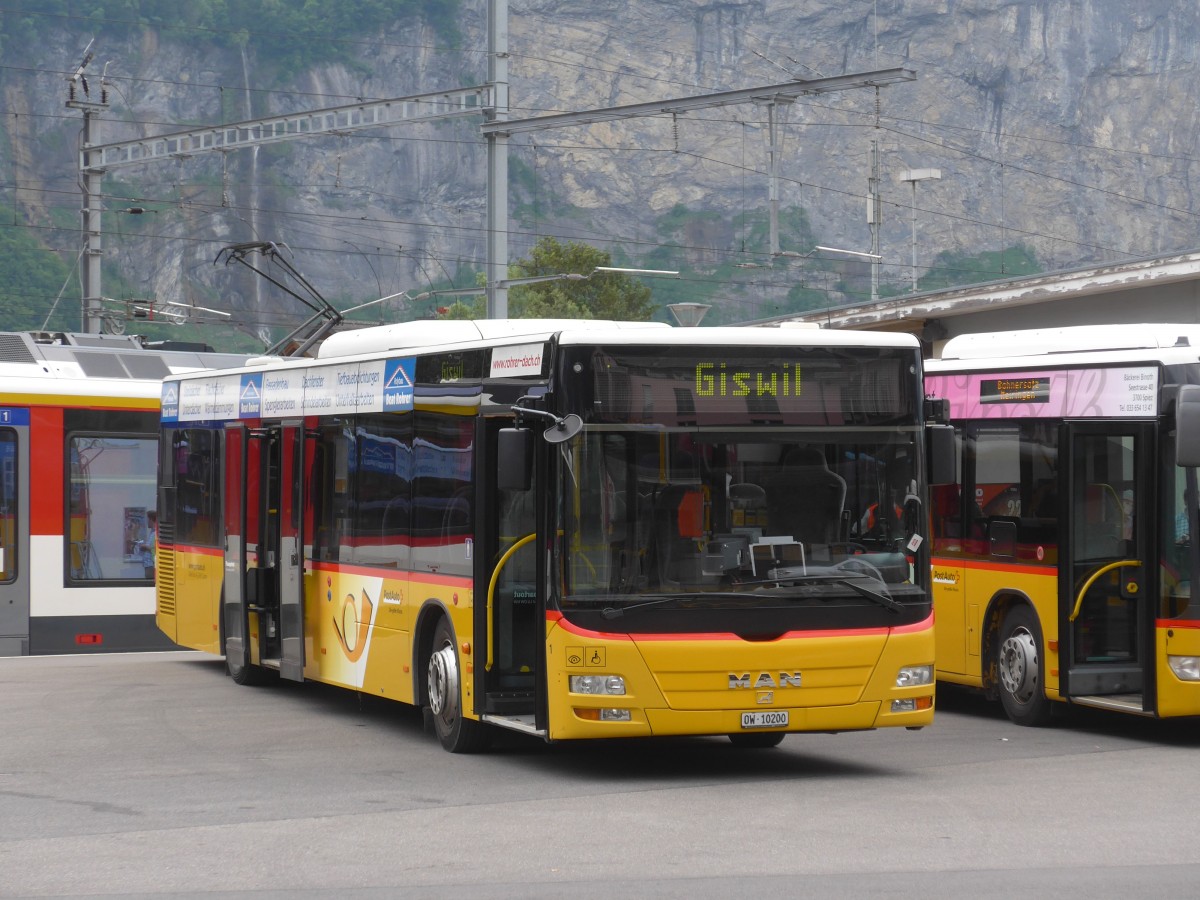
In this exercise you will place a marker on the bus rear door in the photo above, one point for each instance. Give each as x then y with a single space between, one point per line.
1107 602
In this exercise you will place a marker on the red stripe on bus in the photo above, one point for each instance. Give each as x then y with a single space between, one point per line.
459 581
1176 623
955 562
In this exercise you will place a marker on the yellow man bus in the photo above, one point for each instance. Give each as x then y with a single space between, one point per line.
568 529
1063 555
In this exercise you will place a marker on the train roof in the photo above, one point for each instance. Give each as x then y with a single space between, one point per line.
59 363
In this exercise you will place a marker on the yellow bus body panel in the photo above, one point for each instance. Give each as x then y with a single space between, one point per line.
675 686
1176 697
358 634
197 578
962 592
359 629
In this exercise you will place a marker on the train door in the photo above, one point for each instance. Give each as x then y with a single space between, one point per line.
1107 604
263 613
513 614
14 532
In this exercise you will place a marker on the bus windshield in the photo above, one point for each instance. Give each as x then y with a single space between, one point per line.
752 504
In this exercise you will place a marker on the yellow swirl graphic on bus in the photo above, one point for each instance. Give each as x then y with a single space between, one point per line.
354 622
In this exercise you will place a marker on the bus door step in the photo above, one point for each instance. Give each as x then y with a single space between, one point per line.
509 703
523 724
1126 703
1105 680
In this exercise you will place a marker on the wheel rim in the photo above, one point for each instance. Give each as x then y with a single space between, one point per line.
1019 665
443 681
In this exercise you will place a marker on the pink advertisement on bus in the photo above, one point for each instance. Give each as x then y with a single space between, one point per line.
1118 392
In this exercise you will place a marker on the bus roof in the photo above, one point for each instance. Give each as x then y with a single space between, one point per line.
1007 347
432 334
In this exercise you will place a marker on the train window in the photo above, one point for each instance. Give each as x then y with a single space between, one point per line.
8 504
110 492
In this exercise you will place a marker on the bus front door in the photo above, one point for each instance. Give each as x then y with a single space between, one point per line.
1106 602
263 611
513 621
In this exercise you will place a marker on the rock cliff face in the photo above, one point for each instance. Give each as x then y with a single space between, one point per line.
1065 125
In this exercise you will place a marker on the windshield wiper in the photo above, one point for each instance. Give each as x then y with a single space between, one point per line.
882 599
615 612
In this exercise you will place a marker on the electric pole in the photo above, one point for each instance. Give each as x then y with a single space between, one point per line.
89 181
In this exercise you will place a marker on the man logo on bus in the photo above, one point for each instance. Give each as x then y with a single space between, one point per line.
764 680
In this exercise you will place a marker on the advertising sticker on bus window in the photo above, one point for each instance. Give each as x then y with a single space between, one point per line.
518 360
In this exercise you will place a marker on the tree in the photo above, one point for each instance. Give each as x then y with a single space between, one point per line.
602 295
951 268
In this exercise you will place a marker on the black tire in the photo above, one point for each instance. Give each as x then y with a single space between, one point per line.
245 674
444 694
1021 668
757 740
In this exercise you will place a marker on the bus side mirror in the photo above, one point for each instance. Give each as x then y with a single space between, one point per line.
937 410
942 454
1187 426
514 451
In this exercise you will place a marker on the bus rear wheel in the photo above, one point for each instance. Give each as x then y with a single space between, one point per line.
1019 664
443 690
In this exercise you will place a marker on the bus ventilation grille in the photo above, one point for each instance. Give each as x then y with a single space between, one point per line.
165 573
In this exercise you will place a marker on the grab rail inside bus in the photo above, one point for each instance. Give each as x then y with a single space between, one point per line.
491 594
1119 564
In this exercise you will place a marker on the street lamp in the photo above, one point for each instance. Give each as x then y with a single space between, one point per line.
912 176
688 315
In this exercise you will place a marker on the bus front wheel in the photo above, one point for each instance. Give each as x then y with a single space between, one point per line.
443 689
1021 670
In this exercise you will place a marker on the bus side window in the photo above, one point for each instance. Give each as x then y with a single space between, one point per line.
947 511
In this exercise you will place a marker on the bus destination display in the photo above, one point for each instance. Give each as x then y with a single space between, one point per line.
1015 390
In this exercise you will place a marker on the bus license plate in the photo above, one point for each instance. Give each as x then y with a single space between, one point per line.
765 719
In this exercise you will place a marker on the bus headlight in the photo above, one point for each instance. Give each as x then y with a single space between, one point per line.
914 676
1186 668
597 684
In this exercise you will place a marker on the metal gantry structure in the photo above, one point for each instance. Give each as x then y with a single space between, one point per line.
491 100
95 159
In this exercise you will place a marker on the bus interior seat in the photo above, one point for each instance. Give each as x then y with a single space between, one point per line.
806 498
679 527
